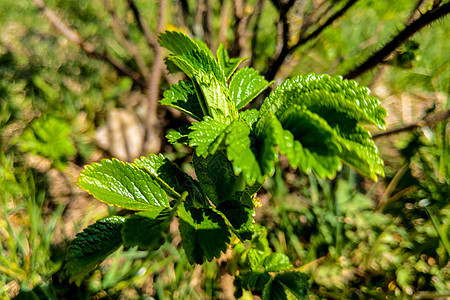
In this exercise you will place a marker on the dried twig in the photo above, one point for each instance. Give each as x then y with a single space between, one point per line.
257 14
88 48
286 50
143 26
429 121
121 32
424 20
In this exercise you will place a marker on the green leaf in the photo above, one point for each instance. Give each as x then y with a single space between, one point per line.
245 85
146 229
218 186
229 65
240 154
92 246
239 216
183 97
274 290
209 81
171 178
250 116
296 282
256 280
256 257
178 43
276 262
204 233
269 135
124 185
206 136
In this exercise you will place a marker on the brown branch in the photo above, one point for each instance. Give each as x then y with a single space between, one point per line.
88 48
429 121
257 13
152 142
121 32
142 25
275 65
424 20
207 23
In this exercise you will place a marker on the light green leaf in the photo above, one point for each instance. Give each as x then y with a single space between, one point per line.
92 246
296 282
250 116
123 184
206 136
177 42
245 85
183 97
240 154
171 178
229 65
203 232
146 229
276 262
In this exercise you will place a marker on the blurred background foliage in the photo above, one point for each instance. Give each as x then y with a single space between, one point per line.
64 104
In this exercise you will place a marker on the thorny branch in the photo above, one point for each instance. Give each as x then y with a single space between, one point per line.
424 20
88 48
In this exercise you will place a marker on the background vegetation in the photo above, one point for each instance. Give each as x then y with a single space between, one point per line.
80 81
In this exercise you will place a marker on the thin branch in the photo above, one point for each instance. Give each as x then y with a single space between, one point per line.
275 65
152 124
121 33
257 13
207 22
429 121
88 48
143 26
424 20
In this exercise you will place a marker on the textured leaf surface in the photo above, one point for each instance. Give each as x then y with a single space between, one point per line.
274 290
183 97
296 282
245 85
204 233
146 229
171 178
206 136
239 216
276 262
92 246
123 184
320 116
178 43
229 65
240 154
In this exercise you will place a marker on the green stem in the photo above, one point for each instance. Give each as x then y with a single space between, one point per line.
437 225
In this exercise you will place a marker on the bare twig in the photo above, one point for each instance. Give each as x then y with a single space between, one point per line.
275 65
121 33
143 26
88 48
152 124
207 22
257 14
424 20
429 121
239 28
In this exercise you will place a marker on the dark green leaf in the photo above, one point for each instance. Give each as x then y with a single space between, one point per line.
204 233
239 216
296 282
146 229
124 185
274 290
92 246
256 280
